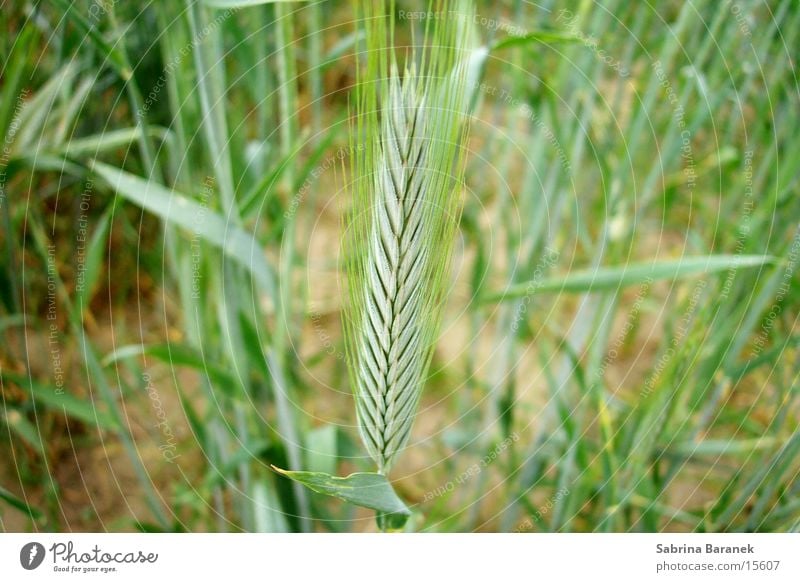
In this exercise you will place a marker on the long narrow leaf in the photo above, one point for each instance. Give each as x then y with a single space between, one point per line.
181 211
614 278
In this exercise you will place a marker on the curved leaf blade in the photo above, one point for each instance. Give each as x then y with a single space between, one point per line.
19 504
180 210
370 490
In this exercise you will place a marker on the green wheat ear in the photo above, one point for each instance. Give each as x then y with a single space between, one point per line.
407 169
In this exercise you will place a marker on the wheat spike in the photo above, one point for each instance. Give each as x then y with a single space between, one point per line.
401 234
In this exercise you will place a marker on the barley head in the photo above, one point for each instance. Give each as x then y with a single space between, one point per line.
407 168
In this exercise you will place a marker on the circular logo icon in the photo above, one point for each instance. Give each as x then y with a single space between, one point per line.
31 555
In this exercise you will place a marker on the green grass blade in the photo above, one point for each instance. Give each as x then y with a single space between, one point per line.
62 401
180 355
19 504
617 278
542 36
179 210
